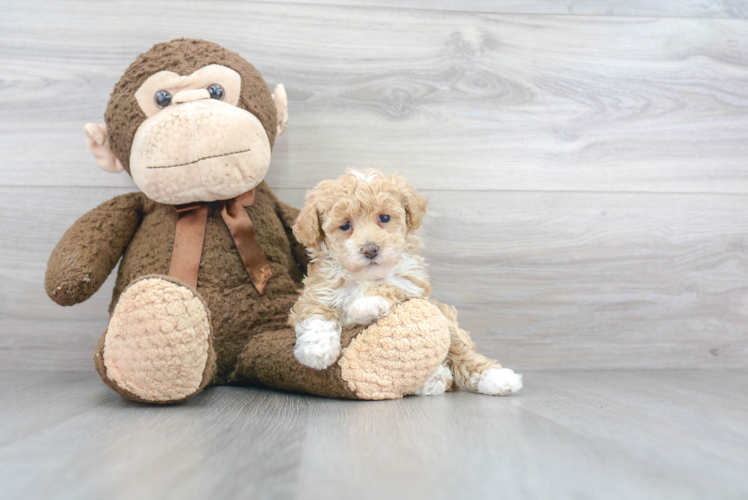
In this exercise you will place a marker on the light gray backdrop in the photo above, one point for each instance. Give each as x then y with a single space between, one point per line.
585 164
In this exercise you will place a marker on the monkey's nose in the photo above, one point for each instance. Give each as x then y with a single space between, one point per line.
370 251
190 95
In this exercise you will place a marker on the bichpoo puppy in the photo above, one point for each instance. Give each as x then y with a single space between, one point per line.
360 232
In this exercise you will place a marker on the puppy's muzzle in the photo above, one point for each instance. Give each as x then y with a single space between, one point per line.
370 251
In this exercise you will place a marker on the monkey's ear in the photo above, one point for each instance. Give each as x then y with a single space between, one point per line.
281 106
306 228
413 203
98 143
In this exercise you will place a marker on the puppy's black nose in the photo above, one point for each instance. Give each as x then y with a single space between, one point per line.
370 251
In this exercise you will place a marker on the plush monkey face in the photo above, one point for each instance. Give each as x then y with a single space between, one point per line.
197 144
190 121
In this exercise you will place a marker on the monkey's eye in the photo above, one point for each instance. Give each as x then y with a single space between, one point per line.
384 219
216 92
163 98
346 226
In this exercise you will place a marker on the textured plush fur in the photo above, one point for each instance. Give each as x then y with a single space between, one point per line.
183 56
141 357
340 222
157 340
142 233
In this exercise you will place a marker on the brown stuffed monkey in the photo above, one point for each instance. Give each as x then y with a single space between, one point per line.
210 267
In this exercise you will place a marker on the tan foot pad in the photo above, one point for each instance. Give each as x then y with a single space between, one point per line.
157 345
395 356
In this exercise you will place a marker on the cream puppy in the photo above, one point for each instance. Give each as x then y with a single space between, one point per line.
360 232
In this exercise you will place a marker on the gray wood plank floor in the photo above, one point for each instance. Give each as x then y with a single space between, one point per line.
613 434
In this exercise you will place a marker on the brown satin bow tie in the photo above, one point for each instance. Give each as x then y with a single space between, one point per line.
190 234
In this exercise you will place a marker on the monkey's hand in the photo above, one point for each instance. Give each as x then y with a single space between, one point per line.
89 250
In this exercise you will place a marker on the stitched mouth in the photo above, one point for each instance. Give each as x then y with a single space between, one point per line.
200 159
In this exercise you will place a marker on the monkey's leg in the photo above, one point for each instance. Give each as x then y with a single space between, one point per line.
159 344
387 360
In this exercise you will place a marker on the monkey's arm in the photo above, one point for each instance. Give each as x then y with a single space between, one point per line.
89 250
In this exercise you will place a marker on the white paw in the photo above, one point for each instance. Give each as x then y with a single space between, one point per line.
368 310
317 342
499 382
437 383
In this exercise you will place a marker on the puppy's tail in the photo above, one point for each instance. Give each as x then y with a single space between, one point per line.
472 370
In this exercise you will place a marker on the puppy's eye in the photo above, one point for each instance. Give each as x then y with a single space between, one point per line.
346 226
216 92
162 98
384 219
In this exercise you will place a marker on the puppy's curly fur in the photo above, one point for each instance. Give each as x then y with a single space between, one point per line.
360 233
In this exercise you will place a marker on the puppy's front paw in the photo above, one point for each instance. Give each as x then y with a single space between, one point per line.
499 382
317 342
368 310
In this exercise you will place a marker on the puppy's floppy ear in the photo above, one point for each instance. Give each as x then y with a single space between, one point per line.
413 203
306 228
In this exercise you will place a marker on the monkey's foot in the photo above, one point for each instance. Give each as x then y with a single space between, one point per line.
158 347
398 354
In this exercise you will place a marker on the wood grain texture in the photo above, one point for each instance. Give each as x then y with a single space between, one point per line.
581 280
616 435
453 100
542 280
667 8
587 173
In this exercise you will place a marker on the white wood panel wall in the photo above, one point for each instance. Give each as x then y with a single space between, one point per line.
588 174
